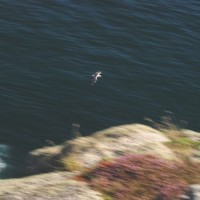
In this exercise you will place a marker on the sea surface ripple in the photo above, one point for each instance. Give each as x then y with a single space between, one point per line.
148 52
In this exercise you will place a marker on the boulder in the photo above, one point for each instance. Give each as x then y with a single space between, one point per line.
43 160
54 186
105 144
116 141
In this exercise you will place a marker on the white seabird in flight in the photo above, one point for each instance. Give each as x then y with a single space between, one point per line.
95 76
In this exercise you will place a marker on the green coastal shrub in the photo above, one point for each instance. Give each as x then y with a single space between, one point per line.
136 177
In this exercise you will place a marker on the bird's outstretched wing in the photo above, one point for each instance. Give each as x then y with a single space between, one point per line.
95 76
98 73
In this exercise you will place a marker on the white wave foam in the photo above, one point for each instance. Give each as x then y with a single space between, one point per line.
2 165
4 151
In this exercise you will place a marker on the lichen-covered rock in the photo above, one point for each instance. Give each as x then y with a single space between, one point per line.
116 141
106 144
51 186
195 136
86 152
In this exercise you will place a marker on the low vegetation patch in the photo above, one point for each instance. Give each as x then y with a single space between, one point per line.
180 143
71 164
136 177
183 147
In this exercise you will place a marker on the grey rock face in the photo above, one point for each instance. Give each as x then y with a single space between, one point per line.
194 192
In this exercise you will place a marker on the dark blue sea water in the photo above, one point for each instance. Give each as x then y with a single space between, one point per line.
148 52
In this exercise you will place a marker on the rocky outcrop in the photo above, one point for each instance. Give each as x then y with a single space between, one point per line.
44 160
87 152
116 141
106 144
54 186
195 137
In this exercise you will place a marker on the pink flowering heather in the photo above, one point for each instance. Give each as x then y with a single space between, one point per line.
136 177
